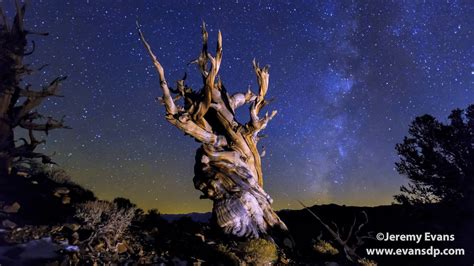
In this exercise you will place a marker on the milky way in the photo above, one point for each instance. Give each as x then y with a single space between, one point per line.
347 78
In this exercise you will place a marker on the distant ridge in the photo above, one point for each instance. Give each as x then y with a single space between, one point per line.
205 217
195 216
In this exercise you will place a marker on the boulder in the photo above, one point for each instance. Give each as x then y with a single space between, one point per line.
8 224
23 174
201 237
121 247
12 208
74 227
60 191
66 200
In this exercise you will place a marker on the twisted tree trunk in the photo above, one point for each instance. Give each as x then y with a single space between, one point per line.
228 166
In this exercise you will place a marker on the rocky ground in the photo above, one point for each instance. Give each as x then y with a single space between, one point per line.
45 219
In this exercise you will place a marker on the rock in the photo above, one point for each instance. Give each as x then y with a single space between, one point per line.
201 237
288 243
121 247
99 247
62 190
8 224
61 241
56 228
41 249
178 261
66 200
23 174
282 259
12 208
73 227
72 248
74 238
198 262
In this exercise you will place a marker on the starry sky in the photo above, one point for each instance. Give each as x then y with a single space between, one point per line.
347 77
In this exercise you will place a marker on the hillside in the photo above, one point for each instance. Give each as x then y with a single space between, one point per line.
39 224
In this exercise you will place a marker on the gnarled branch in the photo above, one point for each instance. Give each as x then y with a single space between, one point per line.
228 164
197 129
17 100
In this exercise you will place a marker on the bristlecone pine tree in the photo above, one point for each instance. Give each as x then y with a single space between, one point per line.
228 166
17 100
438 159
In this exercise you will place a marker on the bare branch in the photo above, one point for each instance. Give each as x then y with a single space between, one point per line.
185 123
350 251
36 33
32 48
262 78
27 150
4 20
203 56
199 129
17 27
34 99
50 124
256 124
239 99
169 103
209 85
349 234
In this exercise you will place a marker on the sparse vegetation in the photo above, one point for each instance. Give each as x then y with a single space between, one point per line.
366 262
107 223
105 232
324 247
59 175
259 251
228 253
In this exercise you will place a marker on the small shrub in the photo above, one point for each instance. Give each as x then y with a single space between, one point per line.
228 254
366 262
260 251
324 247
107 221
59 176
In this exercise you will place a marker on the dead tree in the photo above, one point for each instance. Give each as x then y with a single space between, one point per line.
228 167
107 221
352 240
18 100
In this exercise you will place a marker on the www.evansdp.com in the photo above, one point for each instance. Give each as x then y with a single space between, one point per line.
431 251
416 238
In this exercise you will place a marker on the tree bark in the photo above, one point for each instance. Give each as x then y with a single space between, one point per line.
228 167
6 144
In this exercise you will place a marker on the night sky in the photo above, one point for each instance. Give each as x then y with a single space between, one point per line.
347 77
